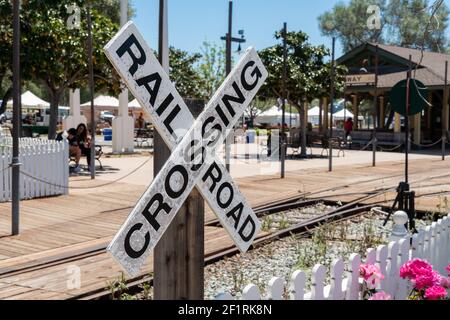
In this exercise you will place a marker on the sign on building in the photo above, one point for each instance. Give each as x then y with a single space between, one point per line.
360 79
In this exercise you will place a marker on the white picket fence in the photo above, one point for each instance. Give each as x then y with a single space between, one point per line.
431 244
44 168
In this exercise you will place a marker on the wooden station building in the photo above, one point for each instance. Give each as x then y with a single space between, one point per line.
393 64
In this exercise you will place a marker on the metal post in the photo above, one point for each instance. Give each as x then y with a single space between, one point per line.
407 123
444 116
91 90
229 35
375 105
16 120
283 105
330 144
227 71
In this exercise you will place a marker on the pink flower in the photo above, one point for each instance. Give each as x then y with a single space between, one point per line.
415 268
435 293
448 269
381 296
371 274
426 280
445 282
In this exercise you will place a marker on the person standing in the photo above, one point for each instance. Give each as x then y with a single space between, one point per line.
140 123
348 127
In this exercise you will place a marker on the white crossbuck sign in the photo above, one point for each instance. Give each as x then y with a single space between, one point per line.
193 161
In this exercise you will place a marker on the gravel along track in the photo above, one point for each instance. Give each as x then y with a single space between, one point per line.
283 257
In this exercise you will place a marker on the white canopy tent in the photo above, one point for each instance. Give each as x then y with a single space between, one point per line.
344 114
314 116
31 101
103 102
273 117
134 104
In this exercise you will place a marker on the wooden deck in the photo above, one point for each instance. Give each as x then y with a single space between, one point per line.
61 232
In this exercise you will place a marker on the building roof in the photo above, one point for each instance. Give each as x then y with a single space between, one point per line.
428 68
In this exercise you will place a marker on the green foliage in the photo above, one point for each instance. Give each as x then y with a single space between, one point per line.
211 68
111 9
308 75
409 21
55 56
184 74
403 23
118 287
348 23
258 106
267 224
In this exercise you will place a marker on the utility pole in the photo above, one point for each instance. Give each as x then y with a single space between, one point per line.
91 90
15 165
408 86
375 106
229 40
445 113
330 144
283 105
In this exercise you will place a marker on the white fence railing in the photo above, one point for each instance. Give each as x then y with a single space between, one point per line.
44 168
431 244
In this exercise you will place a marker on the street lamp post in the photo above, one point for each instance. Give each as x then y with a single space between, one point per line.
375 108
91 90
229 40
16 120
283 105
330 144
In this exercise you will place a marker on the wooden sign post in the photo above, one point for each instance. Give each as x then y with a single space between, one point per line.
193 161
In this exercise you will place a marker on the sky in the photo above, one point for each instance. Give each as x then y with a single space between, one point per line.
193 21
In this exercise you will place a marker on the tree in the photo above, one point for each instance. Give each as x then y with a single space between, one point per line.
410 24
111 9
402 22
257 107
308 73
58 57
211 68
184 74
6 34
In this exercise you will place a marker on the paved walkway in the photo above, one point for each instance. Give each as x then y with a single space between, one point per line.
116 167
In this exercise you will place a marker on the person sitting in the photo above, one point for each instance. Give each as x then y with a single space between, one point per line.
84 142
74 149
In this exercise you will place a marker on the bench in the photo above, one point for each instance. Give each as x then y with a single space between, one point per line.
98 155
294 142
336 142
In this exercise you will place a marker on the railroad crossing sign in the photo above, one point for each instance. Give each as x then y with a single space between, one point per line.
193 143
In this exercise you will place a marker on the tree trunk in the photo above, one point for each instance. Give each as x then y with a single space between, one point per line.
5 99
54 102
303 124
320 115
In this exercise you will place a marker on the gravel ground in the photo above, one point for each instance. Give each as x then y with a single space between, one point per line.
283 257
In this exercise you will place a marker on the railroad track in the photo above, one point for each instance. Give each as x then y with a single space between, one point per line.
344 211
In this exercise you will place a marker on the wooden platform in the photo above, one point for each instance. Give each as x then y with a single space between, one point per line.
62 232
